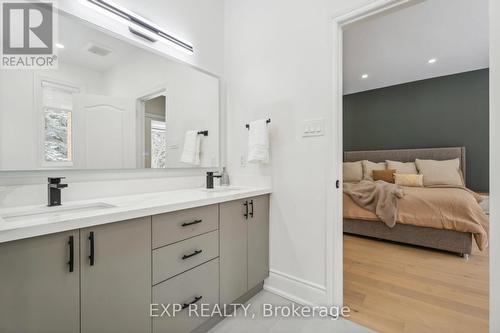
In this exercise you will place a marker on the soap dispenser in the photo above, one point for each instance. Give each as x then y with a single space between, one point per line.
224 177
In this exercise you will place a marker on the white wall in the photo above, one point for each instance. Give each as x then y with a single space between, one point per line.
495 165
279 65
199 22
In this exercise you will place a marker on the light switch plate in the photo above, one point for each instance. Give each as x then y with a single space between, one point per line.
313 127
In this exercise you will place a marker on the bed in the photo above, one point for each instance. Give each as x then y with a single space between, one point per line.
447 240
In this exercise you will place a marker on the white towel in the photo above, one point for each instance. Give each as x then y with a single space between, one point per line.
258 142
191 151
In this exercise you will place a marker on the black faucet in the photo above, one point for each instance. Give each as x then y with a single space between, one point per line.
210 179
54 191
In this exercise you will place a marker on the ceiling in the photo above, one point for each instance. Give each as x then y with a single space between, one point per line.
77 35
395 47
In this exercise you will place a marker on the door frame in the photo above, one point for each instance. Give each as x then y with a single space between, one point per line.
334 227
140 113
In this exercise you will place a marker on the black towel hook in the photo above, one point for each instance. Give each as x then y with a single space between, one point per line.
204 133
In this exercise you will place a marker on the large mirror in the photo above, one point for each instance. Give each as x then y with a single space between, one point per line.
109 105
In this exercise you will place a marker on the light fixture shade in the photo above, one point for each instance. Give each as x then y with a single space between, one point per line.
141 23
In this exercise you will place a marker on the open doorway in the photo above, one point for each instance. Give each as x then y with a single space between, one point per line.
152 130
155 133
416 137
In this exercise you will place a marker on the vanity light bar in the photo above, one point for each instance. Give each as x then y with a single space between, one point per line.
117 11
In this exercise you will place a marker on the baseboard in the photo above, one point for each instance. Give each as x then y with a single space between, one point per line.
295 289
209 324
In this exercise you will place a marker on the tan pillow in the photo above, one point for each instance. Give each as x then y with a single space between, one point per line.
353 171
368 168
405 179
440 172
385 175
402 167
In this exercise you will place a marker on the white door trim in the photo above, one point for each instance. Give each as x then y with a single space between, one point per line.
334 226
157 91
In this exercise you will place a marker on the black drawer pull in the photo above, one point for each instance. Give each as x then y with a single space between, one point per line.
187 224
196 300
251 212
246 210
92 253
187 256
71 262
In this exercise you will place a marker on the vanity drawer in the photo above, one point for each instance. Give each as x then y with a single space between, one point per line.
176 226
202 281
179 257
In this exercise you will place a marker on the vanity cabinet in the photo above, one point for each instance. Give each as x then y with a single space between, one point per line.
39 284
258 241
104 278
244 246
185 261
116 277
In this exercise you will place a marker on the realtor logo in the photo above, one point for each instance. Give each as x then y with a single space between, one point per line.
28 35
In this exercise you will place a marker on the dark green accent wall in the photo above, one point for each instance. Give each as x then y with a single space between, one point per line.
446 111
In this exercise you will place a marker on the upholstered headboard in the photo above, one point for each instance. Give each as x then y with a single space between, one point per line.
409 155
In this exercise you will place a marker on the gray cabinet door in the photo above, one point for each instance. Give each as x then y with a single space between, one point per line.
258 240
233 250
116 289
38 293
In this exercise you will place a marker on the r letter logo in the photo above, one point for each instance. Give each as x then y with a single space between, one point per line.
28 35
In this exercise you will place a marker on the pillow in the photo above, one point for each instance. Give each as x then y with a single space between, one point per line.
401 167
409 179
385 175
368 168
353 171
440 172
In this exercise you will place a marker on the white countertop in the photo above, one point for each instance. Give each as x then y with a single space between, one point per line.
123 208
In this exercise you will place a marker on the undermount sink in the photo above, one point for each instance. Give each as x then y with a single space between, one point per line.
54 211
222 189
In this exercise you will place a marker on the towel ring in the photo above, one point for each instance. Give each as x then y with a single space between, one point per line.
267 122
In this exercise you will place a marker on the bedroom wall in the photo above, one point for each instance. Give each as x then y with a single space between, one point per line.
446 111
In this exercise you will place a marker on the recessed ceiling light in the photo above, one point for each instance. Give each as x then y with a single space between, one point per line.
59 46
431 61
364 76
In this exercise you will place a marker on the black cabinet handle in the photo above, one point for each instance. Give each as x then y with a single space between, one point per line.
92 254
251 212
246 210
187 256
196 300
187 224
71 262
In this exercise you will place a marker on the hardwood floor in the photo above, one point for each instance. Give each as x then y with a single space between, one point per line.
399 288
